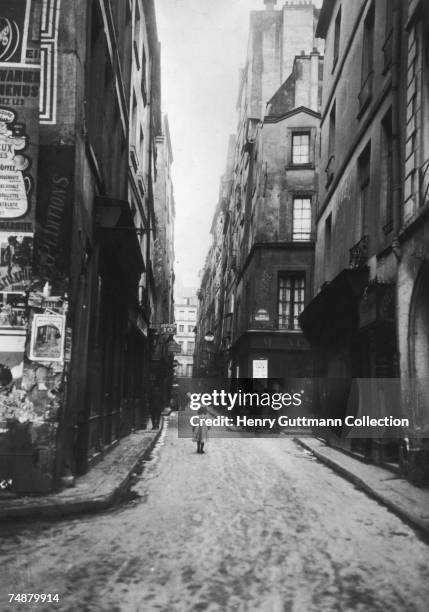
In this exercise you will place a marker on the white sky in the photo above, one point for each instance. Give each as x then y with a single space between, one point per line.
203 46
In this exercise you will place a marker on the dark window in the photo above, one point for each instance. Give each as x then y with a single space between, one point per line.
301 219
387 171
337 34
136 42
290 300
364 166
367 53
331 146
301 148
332 120
328 245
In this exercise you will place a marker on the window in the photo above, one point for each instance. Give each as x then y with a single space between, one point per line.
136 42
328 246
291 301
332 121
387 172
141 141
191 348
181 328
191 329
367 60
301 148
331 146
301 219
364 165
337 34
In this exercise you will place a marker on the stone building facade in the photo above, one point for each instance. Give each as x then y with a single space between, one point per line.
351 319
77 279
368 318
259 270
413 241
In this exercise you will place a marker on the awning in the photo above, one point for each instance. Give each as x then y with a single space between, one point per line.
334 313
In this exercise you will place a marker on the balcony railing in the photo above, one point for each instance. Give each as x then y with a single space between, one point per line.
359 253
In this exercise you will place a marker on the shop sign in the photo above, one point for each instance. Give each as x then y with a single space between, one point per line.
262 315
260 368
174 348
47 337
168 328
55 203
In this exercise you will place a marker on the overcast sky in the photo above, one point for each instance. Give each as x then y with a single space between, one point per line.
203 45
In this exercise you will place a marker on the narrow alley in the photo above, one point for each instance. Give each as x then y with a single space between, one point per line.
252 525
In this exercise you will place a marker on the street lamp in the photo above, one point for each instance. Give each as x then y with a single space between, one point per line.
209 337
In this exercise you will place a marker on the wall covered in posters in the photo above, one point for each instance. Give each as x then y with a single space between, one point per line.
36 195
19 136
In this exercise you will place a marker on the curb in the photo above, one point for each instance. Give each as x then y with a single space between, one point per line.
408 517
82 504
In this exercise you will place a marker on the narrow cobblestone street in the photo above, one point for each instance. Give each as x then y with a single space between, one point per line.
251 525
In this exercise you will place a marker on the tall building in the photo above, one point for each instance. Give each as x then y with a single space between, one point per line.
186 318
259 271
412 246
80 101
351 321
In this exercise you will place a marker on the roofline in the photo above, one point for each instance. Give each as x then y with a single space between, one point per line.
295 111
324 18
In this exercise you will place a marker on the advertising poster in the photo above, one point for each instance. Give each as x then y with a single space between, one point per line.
12 344
19 112
16 252
47 337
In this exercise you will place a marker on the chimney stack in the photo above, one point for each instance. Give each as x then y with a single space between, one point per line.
270 4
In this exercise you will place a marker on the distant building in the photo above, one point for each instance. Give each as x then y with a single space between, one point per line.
185 309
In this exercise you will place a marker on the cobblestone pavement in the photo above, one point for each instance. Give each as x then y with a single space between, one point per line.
250 525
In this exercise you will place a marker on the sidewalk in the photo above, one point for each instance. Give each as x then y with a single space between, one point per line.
404 499
100 488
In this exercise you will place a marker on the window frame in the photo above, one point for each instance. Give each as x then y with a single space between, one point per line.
302 197
294 277
337 39
299 133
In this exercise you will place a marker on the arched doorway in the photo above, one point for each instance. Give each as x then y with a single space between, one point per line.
419 347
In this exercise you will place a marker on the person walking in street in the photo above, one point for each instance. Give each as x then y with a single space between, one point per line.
201 431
